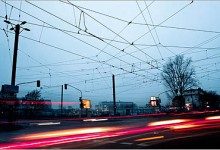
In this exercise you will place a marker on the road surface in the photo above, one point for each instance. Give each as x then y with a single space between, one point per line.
161 131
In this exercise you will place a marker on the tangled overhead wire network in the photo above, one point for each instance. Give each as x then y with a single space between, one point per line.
85 44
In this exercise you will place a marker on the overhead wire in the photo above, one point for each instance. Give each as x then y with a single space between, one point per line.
204 59
19 15
69 31
202 43
193 30
74 15
117 36
68 51
41 32
128 23
137 44
9 49
76 27
46 66
103 78
6 12
153 25
130 72
120 37
152 21
156 30
150 30
164 21
124 29
36 60
6 31
57 47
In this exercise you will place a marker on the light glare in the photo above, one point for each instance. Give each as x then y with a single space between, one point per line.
158 123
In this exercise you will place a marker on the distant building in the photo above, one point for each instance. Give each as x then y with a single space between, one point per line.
193 98
154 103
36 104
122 108
8 103
34 108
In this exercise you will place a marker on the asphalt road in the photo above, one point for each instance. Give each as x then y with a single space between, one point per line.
167 139
187 131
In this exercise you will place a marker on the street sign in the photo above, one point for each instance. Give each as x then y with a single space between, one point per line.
153 103
152 98
10 88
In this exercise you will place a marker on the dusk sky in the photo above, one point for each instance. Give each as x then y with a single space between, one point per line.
83 43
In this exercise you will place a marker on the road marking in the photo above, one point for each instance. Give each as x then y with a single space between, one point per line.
132 136
142 144
110 141
43 123
149 138
175 138
97 141
125 143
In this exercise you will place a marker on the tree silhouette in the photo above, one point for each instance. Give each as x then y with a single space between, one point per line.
178 75
33 95
33 102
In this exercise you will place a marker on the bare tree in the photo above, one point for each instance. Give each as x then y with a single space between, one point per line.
33 95
178 75
33 101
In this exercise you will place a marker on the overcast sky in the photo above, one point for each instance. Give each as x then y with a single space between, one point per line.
83 43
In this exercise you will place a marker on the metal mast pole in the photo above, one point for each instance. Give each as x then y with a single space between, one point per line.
17 30
114 97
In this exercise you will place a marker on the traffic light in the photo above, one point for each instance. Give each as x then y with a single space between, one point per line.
65 86
81 105
38 83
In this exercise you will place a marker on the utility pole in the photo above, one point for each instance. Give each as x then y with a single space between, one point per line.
61 106
17 30
114 98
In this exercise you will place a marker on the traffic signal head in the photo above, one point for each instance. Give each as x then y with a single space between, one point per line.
38 83
65 86
81 105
